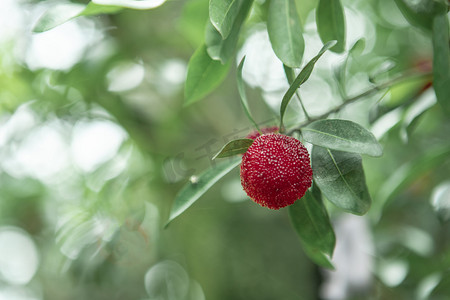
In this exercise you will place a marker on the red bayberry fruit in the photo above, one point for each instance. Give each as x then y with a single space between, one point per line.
254 134
276 170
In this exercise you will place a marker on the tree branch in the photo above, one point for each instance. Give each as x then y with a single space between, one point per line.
370 91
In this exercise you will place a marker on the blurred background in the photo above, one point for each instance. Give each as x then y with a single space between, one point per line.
95 143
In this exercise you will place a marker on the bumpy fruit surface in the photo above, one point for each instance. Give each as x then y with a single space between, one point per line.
276 170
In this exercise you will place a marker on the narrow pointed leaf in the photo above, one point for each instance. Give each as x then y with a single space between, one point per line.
331 23
285 32
441 60
310 219
301 78
97 9
340 177
58 15
234 147
342 135
222 14
318 257
194 190
241 89
203 76
220 48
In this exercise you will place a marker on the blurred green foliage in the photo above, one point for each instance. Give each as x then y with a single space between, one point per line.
94 150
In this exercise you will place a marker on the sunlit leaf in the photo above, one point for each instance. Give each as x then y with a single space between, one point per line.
203 76
310 219
441 60
331 23
342 135
195 189
134 4
222 14
220 48
340 177
285 32
58 15
241 89
234 147
62 13
300 79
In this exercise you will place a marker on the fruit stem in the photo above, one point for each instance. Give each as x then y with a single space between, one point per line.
368 92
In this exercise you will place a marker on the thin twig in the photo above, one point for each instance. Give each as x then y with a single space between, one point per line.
366 93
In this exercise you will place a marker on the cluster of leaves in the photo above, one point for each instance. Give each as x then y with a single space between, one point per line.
337 144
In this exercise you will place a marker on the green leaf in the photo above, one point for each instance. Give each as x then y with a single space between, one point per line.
420 13
241 89
442 289
441 60
331 23
340 177
222 14
203 76
342 135
133 4
234 147
285 32
62 13
300 79
192 191
220 48
318 257
310 219
58 15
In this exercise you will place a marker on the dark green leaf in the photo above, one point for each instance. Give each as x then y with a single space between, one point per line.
285 32
342 135
203 76
222 14
133 4
441 60
300 79
318 257
420 13
195 189
223 49
234 147
310 219
58 15
442 290
340 177
241 89
331 23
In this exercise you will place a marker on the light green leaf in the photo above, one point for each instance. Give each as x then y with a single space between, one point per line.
234 147
222 14
134 4
342 135
340 177
300 79
420 13
285 32
331 23
58 15
220 48
310 219
195 189
358 47
62 13
441 60
203 76
241 89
